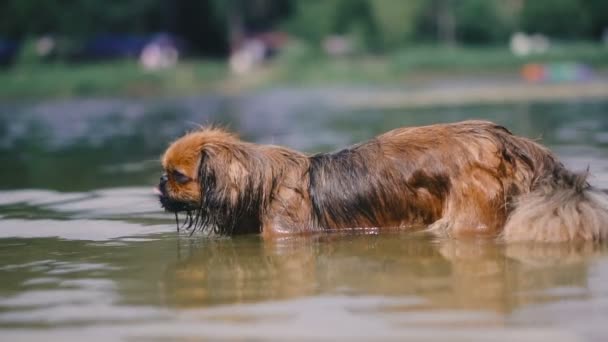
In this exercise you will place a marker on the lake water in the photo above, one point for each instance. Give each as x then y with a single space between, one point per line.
87 253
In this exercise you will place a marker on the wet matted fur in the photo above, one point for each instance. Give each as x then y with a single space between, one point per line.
472 178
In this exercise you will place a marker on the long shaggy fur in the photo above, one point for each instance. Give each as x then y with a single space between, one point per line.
563 208
472 178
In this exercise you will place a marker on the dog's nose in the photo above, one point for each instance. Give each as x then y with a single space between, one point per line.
162 185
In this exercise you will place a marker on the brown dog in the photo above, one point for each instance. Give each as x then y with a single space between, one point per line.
472 178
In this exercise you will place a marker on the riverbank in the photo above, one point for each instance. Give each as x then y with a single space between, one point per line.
462 92
428 75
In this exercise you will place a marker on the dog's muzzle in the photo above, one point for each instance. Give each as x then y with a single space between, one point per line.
167 202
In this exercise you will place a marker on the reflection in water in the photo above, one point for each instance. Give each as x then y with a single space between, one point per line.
474 275
240 270
389 285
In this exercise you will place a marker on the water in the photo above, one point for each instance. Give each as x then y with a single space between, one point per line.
86 252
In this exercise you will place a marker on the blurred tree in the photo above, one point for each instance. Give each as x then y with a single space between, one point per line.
209 26
240 18
354 18
371 24
395 21
313 20
465 21
598 15
435 21
19 18
556 18
479 22
200 23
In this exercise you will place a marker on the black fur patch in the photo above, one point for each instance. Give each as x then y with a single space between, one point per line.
358 187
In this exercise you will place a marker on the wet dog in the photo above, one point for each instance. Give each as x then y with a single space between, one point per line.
472 178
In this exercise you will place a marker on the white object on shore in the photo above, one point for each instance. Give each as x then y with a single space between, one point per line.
250 55
522 44
157 56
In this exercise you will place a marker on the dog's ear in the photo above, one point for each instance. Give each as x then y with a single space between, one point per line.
227 190
226 165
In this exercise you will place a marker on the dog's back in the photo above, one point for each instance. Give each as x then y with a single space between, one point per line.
466 179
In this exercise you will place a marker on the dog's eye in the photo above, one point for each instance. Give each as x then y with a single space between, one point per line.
180 177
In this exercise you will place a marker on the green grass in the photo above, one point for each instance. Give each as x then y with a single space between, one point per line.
399 65
107 79
297 66
496 57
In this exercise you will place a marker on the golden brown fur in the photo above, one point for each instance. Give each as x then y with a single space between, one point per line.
472 178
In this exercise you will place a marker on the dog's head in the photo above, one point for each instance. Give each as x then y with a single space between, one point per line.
207 175
179 186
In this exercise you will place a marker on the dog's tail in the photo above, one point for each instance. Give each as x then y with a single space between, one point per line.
562 208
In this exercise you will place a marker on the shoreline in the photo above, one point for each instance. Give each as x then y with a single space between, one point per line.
420 89
482 94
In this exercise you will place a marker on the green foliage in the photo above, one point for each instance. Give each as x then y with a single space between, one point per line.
354 18
18 18
395 21
479 22
372 25
77 17
313 19
556 18
598 16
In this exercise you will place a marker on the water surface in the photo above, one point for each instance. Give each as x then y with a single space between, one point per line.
86 252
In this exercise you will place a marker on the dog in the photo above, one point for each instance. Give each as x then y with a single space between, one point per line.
466 179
